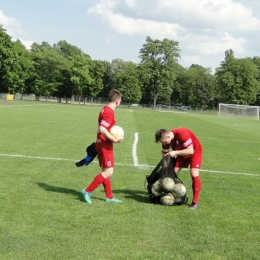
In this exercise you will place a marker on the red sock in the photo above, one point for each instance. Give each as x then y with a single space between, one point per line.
196 187
95 183
108 188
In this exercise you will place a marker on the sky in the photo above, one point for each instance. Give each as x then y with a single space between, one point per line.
117 29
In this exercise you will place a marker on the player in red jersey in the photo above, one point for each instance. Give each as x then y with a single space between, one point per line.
104 148
188 152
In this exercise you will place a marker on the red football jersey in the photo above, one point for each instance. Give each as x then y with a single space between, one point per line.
183 138
107 119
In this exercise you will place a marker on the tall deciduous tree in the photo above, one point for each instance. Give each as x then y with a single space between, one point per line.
194 87
48 65
22 68
159 67
107 79
126 80
76 77
95 85
15 64
236 80
256 61
6 59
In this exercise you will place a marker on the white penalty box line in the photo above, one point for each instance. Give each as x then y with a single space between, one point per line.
141 166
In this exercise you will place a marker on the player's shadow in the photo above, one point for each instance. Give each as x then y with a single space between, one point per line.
51 188
140 196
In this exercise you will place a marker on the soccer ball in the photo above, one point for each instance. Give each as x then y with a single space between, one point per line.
117 131
167 199
177 200
179 190
156 189
168 184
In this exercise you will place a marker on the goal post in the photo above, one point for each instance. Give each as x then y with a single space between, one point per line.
238 110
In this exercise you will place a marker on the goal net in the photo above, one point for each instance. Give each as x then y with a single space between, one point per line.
239 110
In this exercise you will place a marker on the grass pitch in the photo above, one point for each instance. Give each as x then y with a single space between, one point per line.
43 215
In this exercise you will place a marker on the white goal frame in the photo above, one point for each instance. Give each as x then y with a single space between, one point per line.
245 111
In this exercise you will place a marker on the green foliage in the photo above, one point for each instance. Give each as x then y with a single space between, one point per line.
21 68
6 59
236 80
76 78
124 77
107 79
48 66
97 71
194 87
15 64
256 61
127 82
158 68
64 70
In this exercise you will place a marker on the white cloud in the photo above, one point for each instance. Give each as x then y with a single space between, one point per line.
8 21
202 27
134 26
130 26
217 14
12 27
216 44
26 43
131 3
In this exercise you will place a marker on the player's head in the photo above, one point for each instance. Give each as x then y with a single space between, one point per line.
163 136
115 96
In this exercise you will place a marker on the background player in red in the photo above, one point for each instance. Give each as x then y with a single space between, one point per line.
188 152
104 148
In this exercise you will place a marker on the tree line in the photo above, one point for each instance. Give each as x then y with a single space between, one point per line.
64 70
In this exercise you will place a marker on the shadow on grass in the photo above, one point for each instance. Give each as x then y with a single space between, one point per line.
140 196
51 188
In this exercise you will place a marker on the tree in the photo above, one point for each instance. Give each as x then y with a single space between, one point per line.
158 67
107 79
21 70
126 80
6 59
256 61
236 80
195 86
95 85
112 74
48 65
15 64
76 77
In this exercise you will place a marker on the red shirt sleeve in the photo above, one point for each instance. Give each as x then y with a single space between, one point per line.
107 118
185 140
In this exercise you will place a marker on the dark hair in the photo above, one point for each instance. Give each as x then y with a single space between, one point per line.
159 133
114 95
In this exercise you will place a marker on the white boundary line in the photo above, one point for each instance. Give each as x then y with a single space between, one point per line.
35 157
24 105
134 153
131 165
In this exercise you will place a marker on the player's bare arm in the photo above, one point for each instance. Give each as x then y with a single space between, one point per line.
187 151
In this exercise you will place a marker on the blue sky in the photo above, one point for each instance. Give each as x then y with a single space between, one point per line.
111 29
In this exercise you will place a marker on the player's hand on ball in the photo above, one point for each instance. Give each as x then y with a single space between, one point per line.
118 140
